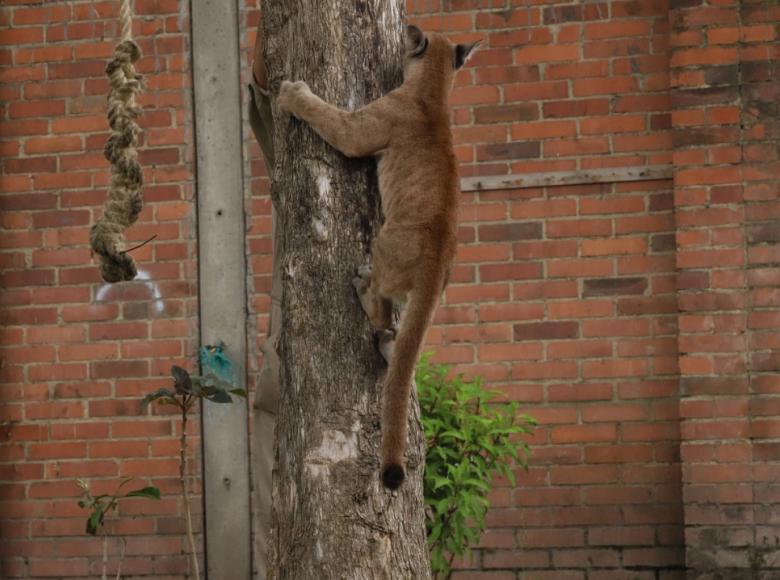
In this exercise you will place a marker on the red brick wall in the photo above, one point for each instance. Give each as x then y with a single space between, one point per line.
725 74
77 354
557 86
564 298
607 309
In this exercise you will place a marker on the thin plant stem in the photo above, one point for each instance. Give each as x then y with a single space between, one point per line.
104 575
449 566
184 493
123 544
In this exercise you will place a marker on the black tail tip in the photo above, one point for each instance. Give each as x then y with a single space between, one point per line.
393 476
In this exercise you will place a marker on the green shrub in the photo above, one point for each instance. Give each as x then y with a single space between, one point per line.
469 440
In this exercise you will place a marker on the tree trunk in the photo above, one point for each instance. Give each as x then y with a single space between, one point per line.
332 518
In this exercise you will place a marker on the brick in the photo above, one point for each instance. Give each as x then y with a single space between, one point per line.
575 13
516 150
611 47
475 95
506 113
57 450
704 56
546 330
113 369
544 370
92 312
601 86
28 354
58 219
27 16
473 293
25 128
73 70
552 249
582 392
579 228
510 232
30 165
552 538
579 349
62 257
88 352
617 29
587 558
535 54
614 247
547 289
113 331
617 204
614 286
532 91
170 328
26 35
57 372
496 272
56 568
600 536
52 145
506 75
580 268
614 368
575 147
53 410
508 352
633 143
546 208
507 19
705 96
579 475
544 129
51 89
575 108
44 181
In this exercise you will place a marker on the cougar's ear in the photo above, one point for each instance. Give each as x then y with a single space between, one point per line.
463 52
416 42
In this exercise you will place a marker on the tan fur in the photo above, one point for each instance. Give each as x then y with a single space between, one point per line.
408 130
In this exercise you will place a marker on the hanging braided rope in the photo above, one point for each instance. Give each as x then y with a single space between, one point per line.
124 193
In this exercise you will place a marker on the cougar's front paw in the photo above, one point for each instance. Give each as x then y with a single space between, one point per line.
362 280
290 95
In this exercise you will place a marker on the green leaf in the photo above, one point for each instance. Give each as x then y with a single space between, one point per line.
95 520
471 435
150 492
480 484
239 392
439 482
165 396
435 532
217 395
181 380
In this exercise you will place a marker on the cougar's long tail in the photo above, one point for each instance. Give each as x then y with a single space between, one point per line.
415 320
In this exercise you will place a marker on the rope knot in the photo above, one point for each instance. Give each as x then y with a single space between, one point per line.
124 193
128 50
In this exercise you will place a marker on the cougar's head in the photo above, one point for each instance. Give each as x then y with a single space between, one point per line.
432 54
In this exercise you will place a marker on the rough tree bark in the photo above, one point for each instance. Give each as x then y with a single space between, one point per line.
332 518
